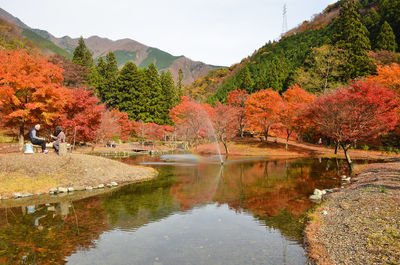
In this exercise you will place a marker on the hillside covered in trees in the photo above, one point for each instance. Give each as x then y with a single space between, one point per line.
328 51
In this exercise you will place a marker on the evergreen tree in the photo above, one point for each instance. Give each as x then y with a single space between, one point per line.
153 104
372 22
386 39
106 78
244 81
169 95
179 85
130 85
82 55
390 12
352 36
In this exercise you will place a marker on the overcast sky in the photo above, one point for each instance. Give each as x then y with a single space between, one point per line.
219 32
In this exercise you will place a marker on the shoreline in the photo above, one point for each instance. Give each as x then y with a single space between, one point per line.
38 174
358 224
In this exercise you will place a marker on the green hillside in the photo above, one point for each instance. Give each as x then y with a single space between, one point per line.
44 44
278 65
161 59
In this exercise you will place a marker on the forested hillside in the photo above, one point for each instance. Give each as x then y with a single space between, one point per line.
330 50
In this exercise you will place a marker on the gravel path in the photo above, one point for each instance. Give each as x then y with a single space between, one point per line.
359 224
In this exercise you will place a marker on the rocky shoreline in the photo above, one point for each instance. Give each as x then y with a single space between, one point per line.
24 176
358 224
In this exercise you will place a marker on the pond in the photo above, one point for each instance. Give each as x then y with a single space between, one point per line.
249 211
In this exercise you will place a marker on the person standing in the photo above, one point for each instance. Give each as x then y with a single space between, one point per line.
33 135
60 138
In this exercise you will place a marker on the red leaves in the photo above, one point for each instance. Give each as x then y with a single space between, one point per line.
360 112
262 109
82 115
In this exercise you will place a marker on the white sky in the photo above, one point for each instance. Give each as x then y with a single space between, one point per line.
219 32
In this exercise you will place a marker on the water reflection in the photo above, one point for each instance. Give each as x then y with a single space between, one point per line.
246 212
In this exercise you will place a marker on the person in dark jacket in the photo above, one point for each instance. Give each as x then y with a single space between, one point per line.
34 136
59 138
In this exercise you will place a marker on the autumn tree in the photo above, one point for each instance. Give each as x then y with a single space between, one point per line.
30 91
74 74
225 123
115 124
237 99
262 110
388 76
357 113
82 116
292 114
192 119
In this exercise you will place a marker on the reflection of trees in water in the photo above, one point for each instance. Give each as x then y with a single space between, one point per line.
135 205
51 232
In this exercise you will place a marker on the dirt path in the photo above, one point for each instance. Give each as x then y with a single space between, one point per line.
359 224
37 173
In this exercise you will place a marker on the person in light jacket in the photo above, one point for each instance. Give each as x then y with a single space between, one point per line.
60 138
34 136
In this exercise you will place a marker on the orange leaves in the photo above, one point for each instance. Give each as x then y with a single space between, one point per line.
30 89
388 76
262 109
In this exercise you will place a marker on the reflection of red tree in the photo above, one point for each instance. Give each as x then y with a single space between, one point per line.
196 187
59 238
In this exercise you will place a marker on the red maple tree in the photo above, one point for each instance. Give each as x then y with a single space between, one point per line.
237 99
357 113
225 123
82 116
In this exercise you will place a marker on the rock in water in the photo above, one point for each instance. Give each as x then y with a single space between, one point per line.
315 197
62 190
318 192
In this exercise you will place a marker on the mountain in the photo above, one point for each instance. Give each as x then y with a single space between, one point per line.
125 50
277 64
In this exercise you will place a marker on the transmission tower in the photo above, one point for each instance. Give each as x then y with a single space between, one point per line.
284 24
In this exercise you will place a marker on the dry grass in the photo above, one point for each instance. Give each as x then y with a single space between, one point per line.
37 172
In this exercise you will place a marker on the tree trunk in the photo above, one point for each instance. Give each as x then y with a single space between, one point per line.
287 139
336 147
346 154
226 148
266 131
21 137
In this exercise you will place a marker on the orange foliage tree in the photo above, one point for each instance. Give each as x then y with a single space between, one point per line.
30 91
388 76
237 99
115 123
262 110
292 115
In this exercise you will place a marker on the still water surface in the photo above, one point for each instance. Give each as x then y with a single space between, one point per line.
247 212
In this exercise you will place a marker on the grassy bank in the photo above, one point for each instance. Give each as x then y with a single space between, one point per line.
359 224
37 173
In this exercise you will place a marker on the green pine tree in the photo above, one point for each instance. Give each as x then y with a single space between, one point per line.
153 109
130 85
244 81
169 95
82 55
179 85
390 12
372 21
352 36
386 39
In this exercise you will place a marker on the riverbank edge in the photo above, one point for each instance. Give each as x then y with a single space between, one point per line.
374 182
73 181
